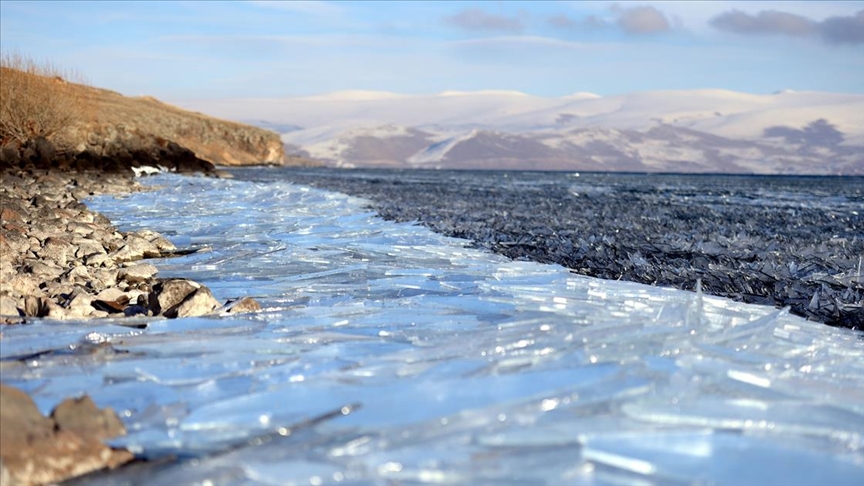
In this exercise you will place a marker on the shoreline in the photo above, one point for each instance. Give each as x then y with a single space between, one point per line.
61 261
790 255
491 335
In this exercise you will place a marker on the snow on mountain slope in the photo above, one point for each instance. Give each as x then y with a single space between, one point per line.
722 112
695 130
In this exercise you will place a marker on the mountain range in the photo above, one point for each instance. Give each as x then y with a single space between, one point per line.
716 131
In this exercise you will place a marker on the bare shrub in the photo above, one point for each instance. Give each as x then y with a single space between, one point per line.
37 99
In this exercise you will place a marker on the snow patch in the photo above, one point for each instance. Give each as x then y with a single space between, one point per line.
437 151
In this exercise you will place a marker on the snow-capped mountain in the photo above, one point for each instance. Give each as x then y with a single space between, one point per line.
681 131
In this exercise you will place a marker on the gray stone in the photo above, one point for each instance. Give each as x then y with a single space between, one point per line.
200 303
79 306
99 260
135 248
83 229
242 305
163 244
77 275
24 285
50 309
20 420
81 416
56 249
87 247
170 293
8 306
32 305
137 273
44 270
111 294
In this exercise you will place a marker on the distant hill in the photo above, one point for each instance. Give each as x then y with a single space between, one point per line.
682 131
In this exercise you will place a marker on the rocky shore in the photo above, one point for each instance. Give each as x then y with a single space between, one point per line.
62 261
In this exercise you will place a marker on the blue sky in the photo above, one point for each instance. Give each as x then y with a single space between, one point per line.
251 49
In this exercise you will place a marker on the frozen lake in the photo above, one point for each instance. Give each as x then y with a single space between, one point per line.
388 354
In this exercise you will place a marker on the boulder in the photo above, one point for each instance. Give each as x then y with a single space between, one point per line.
199 303
170 293
135 248
56 249
137 273
82 417
87 247
242 305
21 423
43 450
8 306
112 294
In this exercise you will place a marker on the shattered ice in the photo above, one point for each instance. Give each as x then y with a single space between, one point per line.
387 354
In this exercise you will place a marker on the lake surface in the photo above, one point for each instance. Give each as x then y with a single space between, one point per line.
389 354
794 242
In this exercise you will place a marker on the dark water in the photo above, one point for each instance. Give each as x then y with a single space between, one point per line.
778 240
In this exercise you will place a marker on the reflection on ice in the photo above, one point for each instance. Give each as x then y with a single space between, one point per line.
389 354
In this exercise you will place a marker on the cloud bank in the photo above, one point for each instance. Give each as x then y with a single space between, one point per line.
640 20
833 30
474 19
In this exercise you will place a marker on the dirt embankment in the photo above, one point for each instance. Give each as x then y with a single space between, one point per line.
36 103
120 120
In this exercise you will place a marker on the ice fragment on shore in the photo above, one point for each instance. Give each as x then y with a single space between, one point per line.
468 365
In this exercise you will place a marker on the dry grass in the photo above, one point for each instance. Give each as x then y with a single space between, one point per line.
40 99
37 99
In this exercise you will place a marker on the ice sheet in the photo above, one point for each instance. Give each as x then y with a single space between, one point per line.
387 354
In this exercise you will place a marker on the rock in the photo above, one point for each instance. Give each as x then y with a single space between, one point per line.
136 248
44 149
98 260
111 306
24 285
112 294
137 273
80 305
242 305
82 417
8 215
82 229
77 275
50 309
8 306
56 249
170 293
163 244
21 423
87 247
44 270
32 305
43 450
200 303
136 310
15 238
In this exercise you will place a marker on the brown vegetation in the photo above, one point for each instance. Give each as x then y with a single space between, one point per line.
40 100
36 100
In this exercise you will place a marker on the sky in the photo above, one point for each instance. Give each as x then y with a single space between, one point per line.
264 49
